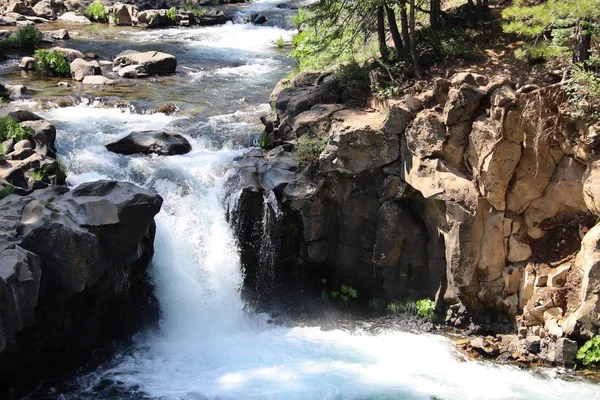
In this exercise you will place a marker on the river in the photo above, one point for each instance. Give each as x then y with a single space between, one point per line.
208 345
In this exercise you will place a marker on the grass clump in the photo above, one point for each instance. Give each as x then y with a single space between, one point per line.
308 149
589 353
408 306
280 43
96 12
11 129
52 63
172 13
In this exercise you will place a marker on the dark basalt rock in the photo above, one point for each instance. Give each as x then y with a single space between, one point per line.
151 142
71 274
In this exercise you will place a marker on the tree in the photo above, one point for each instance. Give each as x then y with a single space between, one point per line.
556 27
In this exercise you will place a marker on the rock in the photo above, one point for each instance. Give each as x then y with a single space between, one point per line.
154 62
503 96
566 353
291 102
212 17
45 281
70 54
413 103
152 18
441 87
13 92
44 136
59 34
44 9
317 120
591 187
426 136
81 68
63 84
74 18
167 109
27 63
462 104
8 146
98 80
151 142
307 78
21 145
258 19
532 344
133 71
558 276
484 347
124 14
19 7
356 143
517 250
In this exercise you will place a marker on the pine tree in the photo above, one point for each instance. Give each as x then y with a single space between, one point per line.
557 27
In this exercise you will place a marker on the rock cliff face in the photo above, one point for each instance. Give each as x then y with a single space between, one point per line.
72 262
468 191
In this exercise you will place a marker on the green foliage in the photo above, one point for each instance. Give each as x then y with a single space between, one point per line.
197 11
584 87
114 19
426 308
96 12
550 25
301 17
345 293
60 172
589 353
280 43
450 43
265 141
402 306
11 129
37 175
6 190
52 63
28 37
172 13
376 305
353 76
308 149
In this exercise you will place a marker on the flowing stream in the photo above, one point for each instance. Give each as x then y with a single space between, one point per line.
207 345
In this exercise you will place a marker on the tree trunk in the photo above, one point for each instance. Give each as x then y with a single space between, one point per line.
404 23
434 14
391 17
385 55
413 42
581 44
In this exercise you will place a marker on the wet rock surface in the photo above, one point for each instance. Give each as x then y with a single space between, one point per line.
151 142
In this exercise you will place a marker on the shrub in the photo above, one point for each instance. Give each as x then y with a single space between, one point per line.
172 13
11 129
308 149
6 190
28 37
52 63
96 12
353 76
426 308
589 353
450 43
584 86
345 293
280 43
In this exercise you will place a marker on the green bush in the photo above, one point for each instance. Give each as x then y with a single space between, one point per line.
450 43
52 63
426 308
172 13
345 293
308 149
6 190
353 76
11 129
96 12
280 43
197 11
28 37
589 353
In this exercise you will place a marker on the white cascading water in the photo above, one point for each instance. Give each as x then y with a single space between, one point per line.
208 346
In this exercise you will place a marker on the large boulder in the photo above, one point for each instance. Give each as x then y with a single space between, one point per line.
151 142
357 143
81 68
74 18
124 14
70 54
70 258
152 18
154 62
